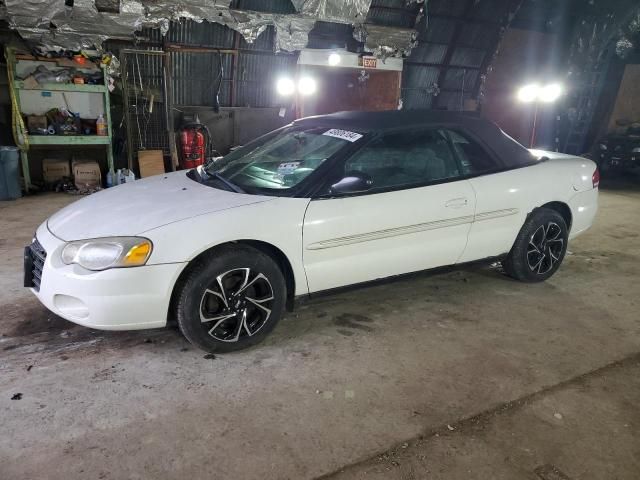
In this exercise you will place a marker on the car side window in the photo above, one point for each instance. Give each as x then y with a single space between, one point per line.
474 159
405 159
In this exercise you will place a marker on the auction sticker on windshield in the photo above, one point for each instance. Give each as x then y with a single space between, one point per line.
287 168
343 134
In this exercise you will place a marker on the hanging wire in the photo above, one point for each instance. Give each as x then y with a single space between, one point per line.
147 108
464 77
135 92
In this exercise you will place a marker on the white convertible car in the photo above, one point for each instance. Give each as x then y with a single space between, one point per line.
322 203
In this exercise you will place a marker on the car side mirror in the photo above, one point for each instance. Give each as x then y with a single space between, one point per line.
353 182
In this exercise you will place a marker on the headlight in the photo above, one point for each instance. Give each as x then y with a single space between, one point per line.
636 150
603 146
110 252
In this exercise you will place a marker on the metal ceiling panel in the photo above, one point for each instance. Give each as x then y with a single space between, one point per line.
468 57
269 6
393 13
413 99
331 35
449 8
391 18
460 79
456 35
205 34
485 10
438 30
416 76
428 53
452 100
476 35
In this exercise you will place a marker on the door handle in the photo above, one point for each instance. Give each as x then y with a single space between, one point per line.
457 203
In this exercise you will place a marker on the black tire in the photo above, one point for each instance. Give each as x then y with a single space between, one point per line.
235 321
539 248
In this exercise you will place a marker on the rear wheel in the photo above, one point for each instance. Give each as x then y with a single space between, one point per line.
231 299
539 248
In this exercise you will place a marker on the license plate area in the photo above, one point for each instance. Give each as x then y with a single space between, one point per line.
34 259
28 268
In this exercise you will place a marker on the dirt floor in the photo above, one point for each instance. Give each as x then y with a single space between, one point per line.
461 374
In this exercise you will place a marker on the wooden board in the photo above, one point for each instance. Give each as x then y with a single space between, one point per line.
151 162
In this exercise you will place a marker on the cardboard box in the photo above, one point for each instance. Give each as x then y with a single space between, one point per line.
151 162
78 160
36 123
87 175
55 169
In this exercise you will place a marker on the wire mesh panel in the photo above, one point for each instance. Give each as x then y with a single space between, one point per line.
143 91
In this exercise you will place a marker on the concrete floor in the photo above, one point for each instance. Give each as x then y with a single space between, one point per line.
459 374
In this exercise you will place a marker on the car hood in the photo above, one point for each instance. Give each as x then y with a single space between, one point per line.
136 207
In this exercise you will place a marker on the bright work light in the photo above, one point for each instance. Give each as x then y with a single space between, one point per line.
550 93
307 86
533 92
529 93
285 87
334 59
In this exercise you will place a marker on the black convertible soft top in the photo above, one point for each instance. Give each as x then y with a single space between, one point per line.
510 152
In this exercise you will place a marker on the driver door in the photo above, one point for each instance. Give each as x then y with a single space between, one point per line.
416 214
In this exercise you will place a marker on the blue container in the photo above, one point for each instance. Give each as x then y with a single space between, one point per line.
9 177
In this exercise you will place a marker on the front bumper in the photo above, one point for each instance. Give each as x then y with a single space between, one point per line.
116 299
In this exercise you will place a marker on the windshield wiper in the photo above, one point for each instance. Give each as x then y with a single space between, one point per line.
228 183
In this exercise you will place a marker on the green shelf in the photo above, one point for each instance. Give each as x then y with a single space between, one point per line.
69 140
60 141
62 87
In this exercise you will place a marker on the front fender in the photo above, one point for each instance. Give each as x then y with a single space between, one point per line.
277 222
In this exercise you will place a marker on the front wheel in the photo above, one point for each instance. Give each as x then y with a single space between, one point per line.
539 248
231 299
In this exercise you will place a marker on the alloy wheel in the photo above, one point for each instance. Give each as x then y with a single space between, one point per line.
545 248
237 305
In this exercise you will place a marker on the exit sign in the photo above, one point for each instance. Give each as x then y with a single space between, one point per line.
369 62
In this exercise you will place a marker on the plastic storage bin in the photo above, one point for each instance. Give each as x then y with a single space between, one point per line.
9 177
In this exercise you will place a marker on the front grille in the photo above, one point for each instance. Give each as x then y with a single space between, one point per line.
38 256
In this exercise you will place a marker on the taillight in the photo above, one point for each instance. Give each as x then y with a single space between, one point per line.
596 178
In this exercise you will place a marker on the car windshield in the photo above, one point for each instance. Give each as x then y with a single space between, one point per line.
281 161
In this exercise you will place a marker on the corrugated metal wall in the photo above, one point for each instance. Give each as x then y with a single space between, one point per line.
196 76
256 76
456 42
199 56
249 72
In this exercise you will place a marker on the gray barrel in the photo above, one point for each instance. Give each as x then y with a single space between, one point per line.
9 176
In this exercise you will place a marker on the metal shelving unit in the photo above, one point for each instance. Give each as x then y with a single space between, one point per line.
16 86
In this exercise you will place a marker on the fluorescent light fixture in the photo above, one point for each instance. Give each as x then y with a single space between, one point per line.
529 93
334 59
285 87
550 93
307 86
